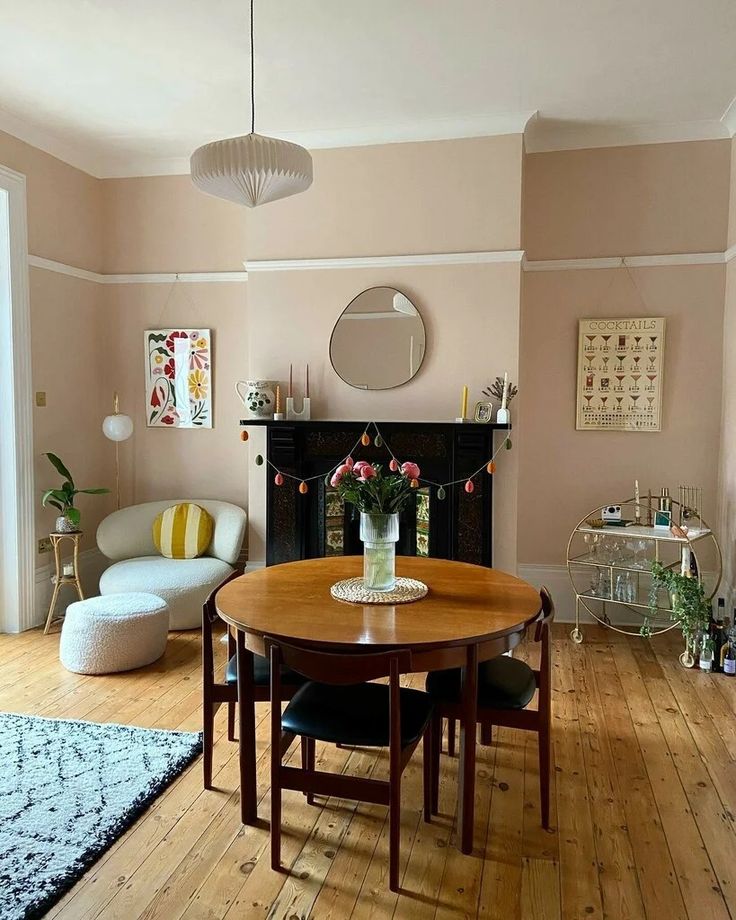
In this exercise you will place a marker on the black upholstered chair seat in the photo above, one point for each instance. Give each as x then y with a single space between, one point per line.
503 683
355 715
262 673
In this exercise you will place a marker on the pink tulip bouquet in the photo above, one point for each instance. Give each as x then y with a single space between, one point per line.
372 489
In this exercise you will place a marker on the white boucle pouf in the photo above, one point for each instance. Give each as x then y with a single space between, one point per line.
117 632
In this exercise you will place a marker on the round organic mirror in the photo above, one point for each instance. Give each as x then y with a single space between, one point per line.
378 341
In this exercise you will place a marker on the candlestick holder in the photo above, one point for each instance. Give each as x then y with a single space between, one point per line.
306 411
503 416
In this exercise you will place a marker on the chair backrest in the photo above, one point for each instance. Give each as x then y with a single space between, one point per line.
128 533
331 668
209 618
542 634
341 670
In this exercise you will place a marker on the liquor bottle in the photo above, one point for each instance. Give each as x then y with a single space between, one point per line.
693 565
718 635
705 661
728 658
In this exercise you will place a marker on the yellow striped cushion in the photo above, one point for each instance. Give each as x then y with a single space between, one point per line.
183 531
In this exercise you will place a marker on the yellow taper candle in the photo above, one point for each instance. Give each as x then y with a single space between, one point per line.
464 409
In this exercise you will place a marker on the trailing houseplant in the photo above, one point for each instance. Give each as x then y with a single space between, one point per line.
690 608
63 498
379 495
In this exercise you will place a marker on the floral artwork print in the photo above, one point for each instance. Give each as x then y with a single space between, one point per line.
178 378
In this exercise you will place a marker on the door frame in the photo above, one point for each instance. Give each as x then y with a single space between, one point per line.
17 533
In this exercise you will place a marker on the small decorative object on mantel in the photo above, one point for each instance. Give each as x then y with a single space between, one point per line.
278 415
463 407
379 495
495 390
178 378
306 411
620 364
259 398
63 498
483 411
502 390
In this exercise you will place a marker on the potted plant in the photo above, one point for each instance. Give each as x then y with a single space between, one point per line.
63 498
690 608
379 495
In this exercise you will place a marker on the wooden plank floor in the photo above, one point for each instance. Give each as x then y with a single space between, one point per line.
643 803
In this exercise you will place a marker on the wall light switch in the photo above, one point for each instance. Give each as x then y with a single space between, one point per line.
41 398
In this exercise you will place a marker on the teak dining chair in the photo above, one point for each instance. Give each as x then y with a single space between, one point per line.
506 686
216 692
338 706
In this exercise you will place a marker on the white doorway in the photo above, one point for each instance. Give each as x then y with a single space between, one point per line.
17 531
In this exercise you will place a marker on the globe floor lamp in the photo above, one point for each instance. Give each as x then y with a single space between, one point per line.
117 427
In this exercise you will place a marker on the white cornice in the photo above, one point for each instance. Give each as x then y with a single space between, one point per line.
437 258
74 154
659 261
544 136
141 278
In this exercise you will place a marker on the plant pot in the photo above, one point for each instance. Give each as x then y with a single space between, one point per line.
64 525
379 533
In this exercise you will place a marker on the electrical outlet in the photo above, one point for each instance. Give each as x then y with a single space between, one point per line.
41 399
44 545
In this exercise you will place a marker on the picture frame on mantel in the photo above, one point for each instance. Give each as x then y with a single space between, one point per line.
620 374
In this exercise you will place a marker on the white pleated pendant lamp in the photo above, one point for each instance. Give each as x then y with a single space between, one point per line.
252 169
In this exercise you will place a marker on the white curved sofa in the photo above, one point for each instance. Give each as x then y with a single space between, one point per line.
126 537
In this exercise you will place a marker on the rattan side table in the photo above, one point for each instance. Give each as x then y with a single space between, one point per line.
60 578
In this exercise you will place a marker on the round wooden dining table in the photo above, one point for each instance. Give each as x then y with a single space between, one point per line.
470 614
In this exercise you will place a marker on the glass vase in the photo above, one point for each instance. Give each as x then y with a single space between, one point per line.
379 533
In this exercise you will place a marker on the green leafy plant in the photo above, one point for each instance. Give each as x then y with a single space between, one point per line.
690 608
63 498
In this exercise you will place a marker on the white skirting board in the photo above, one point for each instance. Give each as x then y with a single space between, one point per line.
91 565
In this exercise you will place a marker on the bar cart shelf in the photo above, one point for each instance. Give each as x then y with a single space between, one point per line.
611 565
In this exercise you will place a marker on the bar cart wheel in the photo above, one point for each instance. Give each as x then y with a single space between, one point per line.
576 636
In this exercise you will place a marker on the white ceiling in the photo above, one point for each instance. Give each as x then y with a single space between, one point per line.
131 87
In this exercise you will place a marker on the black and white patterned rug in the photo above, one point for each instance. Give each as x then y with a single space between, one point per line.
68 790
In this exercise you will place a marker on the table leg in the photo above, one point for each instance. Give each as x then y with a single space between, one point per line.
466 767
246 733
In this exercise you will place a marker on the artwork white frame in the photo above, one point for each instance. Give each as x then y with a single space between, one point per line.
178 370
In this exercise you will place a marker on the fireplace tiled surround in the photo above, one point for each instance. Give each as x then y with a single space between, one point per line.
304 526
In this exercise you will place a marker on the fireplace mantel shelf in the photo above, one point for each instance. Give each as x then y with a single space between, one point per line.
342 423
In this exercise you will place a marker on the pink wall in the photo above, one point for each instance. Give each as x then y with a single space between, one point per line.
616 201
164 224
68 330
442 196
159 463
450 196
604 202
566 473
64 205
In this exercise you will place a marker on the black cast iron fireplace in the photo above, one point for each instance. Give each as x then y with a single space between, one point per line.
458 526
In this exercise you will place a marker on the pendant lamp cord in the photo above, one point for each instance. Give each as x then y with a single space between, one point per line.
252 76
